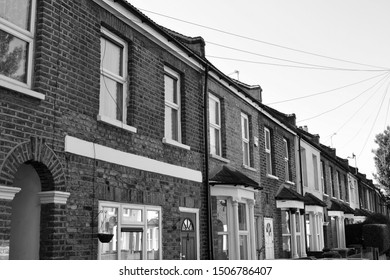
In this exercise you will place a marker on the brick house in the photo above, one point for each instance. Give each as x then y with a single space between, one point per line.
101 130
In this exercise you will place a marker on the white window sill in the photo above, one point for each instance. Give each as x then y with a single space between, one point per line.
116 123
249 168
324 194
272 176
21 89
290 183
220 158
175 143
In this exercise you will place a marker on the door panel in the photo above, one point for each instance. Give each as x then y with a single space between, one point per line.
269 238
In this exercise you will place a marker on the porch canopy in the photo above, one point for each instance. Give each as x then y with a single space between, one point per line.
289 198
336 207
313 203
230 176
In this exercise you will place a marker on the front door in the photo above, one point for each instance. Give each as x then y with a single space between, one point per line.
269 238
188 236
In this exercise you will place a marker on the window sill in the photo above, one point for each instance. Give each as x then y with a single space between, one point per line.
324 194
249 168
175 143
290 183
220 158
272 177
116 123
21 89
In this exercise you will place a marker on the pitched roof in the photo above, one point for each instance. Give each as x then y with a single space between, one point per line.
311 199
230 176
340 206
362 212
286 193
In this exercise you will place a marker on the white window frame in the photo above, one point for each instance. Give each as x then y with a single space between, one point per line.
171 105
143 225
245 232
331 175
245 139
268 150
215 126
286 159
28 36
121 79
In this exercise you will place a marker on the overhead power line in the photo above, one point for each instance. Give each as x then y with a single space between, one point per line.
294 66
346 102
264 42
323 92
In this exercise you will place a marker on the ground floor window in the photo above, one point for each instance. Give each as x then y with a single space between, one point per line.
234 234
292 238
314 231
136 230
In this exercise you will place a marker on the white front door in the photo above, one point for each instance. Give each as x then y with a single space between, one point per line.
269 238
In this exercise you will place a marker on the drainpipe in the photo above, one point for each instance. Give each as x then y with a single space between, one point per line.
206 151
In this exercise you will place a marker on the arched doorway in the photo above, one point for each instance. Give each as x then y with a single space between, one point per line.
25 219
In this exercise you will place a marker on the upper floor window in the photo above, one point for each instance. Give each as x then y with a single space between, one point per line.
268 151
172 105
315 171
245 139
332 190
323 180
286 155
113 77
17 32
338 184
345 188
215 125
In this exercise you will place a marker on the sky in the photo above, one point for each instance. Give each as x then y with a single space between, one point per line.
328 62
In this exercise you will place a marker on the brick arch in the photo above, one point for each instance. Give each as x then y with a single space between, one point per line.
37 153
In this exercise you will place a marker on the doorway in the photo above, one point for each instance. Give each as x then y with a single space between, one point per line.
269 238
188 236
26 211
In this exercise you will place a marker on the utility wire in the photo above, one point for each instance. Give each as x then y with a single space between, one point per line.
293 66
276 58
264 42
323 92
346 102
373 124
354 114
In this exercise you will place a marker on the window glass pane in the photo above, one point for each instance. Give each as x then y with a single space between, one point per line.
174 124
245 151
13 57
17 12
299 245
111 57
243 247
286 247
267 140
170 89
242 223
131 245
297 223
131 215
222 251
215 142
153 235
109 224
220 207
214 111
269 163
108 97
286 222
